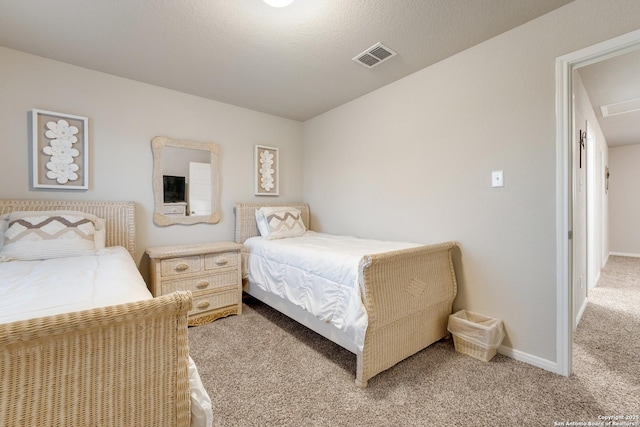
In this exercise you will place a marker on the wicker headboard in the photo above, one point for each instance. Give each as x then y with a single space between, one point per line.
246 217
119 216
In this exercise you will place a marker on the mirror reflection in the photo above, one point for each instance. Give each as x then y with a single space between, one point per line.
185 181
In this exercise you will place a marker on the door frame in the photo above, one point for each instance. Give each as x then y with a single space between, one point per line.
565 184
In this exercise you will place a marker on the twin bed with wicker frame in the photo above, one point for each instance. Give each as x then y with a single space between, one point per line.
126 365
408 295
121 365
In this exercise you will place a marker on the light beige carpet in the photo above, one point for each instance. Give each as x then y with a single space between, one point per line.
262 369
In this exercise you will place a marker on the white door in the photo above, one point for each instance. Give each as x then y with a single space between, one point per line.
594 235
199 189
580 222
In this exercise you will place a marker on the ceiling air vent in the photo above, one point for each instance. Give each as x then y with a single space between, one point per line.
620 107
376 54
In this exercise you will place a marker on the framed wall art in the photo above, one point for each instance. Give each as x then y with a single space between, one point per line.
60 146
266 171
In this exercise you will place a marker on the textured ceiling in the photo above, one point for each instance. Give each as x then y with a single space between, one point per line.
293 62
611 81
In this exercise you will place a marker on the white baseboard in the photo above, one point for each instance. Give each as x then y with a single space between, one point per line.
624 254
521 356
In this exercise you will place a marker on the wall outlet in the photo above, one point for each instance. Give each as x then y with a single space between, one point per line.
497 179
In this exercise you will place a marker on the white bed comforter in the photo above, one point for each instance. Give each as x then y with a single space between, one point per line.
30 289
319 273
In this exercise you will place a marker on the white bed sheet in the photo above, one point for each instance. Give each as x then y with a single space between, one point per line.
319 273
30 289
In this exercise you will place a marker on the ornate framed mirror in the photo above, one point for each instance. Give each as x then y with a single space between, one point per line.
185 181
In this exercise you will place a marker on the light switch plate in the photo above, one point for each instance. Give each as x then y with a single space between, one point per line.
497 179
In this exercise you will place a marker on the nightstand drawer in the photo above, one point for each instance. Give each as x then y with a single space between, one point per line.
216 300
203 283
222 260
183 265
171 209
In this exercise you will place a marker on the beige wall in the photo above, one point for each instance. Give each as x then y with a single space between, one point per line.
624 203
124 116
413 161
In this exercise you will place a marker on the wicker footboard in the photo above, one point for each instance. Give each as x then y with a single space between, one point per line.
123 365
408 296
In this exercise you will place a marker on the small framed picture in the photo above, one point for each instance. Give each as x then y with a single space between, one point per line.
265 171
60 146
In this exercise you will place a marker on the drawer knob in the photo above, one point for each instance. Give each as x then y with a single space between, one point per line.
222 261
202 305
181 267
202 284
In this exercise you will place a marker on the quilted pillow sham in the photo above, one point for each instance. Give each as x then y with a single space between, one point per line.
38 235
280 222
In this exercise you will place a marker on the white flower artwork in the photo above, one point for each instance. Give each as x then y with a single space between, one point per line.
62 131
62 136
60 150
62 172
266 171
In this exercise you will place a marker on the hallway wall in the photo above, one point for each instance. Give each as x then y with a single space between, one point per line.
624 203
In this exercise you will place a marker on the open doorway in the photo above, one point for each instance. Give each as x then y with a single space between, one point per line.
567 182
589 200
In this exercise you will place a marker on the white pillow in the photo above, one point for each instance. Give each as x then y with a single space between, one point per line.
280 222
100 237
261 222
4 220
37 235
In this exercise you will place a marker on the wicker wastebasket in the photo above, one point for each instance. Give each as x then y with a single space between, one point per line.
476 335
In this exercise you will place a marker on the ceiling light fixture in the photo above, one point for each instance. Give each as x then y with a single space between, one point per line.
620 107
278 3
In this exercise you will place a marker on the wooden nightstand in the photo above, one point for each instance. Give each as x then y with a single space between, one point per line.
210 271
